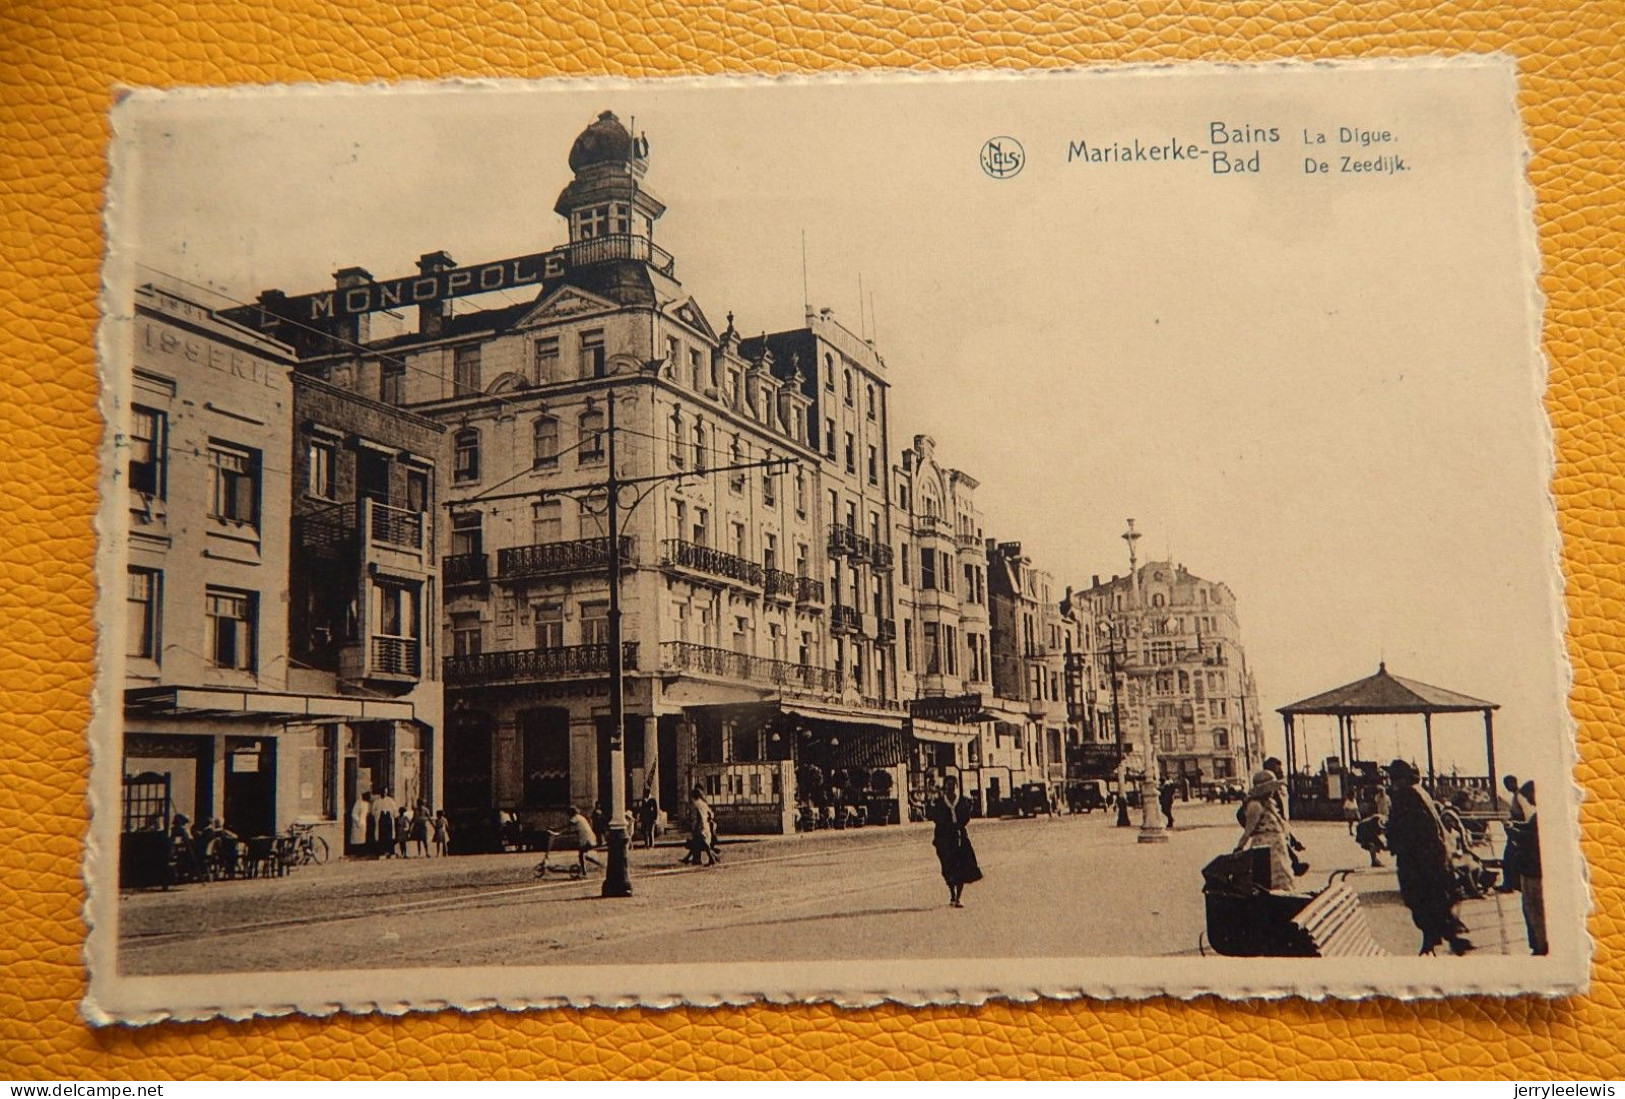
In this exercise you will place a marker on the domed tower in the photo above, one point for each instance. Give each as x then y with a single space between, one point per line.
607 197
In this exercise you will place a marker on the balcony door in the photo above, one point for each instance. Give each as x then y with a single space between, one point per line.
371 475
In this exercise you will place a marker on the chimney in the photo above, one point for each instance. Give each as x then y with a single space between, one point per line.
356 329
432 315
1096 582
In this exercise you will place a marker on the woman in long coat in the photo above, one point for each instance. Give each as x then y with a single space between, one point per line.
1263 826
1416 836
951 813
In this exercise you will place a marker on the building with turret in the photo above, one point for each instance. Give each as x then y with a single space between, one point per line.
757 607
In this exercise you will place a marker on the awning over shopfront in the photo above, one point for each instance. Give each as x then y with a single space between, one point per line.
212 702
941 732
957 710
834 712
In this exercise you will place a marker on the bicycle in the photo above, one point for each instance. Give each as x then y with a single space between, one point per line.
302 846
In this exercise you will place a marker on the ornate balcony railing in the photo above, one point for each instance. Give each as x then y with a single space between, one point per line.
464 568
881 556
778 585
844 619
843 541
333 531
556 558
969 540
532 665
809 590
395 656
706 660
621 246
715 562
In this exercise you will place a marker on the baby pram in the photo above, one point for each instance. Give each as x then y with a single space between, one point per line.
1246 920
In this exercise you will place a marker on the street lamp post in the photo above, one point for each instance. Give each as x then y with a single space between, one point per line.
1151 823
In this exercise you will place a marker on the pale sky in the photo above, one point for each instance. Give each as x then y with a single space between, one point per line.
1318 389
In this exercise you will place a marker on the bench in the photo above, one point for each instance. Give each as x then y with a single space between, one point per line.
1336 926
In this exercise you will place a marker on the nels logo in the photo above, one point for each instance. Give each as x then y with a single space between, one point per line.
1003 157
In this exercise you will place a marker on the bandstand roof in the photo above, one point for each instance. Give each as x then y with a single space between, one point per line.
1384 693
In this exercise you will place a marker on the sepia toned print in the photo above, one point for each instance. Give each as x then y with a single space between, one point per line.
903 538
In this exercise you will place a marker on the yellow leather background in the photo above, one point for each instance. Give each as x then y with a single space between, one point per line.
58 63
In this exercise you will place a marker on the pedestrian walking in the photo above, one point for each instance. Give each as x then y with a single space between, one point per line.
1165 798
1517 814
442 834
1263 826
599 821
1351 811
1417 838
383 815
1525 865
648 820
586 838
702 830
403 830
1283 808
950 814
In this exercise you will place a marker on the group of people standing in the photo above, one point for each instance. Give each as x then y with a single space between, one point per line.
381 828
1427 843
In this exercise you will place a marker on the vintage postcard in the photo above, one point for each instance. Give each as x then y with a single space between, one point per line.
924 538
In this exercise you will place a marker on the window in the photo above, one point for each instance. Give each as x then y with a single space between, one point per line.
801 491
547 521
804 653
770 494
465 370
852 516
143 606
148 442
851 453
466 533
466 459
928 569
906 556
775 638
592 222
702 527
950 649
545 442
593 516
591 427
595 623
908 644
547 360
592 354
848 380
801 559
549 626
770 551
738 530
395 610
694 367
947 573
933 649
1221 738
874 527
829 372
699 447
829 437
679 613
970 582
674 351
230 628
236 483
392 381
874 466
870 394
465 634
417 491
320 458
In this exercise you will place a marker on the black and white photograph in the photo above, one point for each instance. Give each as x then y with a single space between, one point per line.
924 538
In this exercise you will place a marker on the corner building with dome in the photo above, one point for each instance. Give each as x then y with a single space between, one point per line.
757 605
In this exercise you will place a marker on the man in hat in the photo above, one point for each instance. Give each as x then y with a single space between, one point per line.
1422 856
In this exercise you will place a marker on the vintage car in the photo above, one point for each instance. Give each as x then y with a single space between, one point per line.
1031 799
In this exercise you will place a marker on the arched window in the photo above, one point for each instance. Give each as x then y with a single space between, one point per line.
466 466
1157 600
591 428
545 437
1221 738
699 447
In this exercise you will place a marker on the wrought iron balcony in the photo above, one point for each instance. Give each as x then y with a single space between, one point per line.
559 558
463 568
779 585
396 656
881 556
809 590
725 664
335 531
843 541
844 619
534 665
715 562
620 246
